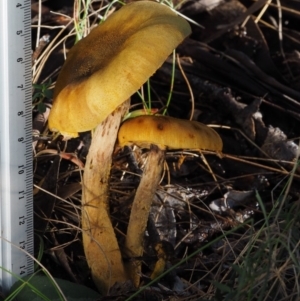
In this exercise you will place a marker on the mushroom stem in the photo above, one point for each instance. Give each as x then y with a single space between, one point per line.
141 209
100 244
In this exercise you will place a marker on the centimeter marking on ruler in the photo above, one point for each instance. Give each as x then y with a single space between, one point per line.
16 172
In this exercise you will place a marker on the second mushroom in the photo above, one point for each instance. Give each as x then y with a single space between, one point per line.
157 133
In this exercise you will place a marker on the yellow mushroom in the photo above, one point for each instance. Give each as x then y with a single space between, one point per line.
101 72
168 133
111 63
157 133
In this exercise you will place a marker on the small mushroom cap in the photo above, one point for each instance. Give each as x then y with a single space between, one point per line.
168 133
112 62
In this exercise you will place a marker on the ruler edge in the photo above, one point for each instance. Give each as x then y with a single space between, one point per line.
8 279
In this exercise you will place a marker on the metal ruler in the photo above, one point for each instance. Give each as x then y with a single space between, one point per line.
16 172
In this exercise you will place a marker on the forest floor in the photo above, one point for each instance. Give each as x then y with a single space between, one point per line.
228 222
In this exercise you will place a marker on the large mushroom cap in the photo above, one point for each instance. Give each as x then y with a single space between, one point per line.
168 133
112 62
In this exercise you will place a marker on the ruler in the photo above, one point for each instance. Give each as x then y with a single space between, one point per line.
16 172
